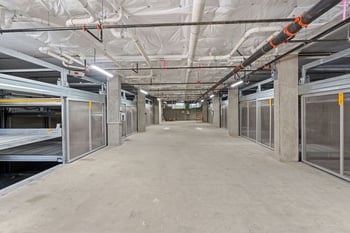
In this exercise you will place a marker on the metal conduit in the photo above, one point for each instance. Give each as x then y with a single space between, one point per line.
287 33
111 26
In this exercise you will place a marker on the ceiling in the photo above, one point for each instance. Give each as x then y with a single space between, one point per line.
159 47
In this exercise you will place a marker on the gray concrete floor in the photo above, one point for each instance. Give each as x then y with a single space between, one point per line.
178 178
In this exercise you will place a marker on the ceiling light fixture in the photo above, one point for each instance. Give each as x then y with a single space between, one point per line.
237 83
144 92
211 96
101 71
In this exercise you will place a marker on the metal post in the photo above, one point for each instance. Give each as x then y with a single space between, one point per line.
90 126
342 140
270 124
64 128
258 121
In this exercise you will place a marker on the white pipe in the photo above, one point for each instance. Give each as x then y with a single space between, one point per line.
73 67
67 60
197 12
80 22
83 21
48 51
72 58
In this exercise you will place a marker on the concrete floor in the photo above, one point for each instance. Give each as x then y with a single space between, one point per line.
178 178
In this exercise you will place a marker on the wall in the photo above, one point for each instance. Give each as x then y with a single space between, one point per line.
180 114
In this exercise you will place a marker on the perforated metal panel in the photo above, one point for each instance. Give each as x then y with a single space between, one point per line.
224 116
322 142
252 120
97 125
244 118
78 128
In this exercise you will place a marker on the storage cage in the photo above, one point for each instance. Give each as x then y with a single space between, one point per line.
223 112
128 113
149 112
325 114
256 116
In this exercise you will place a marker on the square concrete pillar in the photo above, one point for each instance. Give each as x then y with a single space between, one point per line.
286 110
205 111
113 112
216 117
156 112
141 112
232 113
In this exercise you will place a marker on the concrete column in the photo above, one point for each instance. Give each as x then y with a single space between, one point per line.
232 113
216 117
156 115
286 110
141 112
205 111
113 111
160 111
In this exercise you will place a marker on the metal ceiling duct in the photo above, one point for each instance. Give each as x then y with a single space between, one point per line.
287 33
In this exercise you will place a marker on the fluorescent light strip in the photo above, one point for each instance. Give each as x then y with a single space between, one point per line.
237 83
144 92
101 71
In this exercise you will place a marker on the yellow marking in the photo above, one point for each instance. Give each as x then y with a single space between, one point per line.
29 100
270 102
341 98
49 130
90 105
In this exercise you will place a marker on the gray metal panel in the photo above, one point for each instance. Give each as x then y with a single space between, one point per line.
97 126
13 83
78 128
10 138
258 95
332 84
322 132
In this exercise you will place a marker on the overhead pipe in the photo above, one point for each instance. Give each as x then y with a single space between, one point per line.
66 59
197 13
287 33
83 21
151 25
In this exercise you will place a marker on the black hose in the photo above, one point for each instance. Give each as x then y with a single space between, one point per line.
288 32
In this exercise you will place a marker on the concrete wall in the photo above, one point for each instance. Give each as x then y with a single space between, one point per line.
216 107
156 112
205 111
233 113
286 110
141 112
180 114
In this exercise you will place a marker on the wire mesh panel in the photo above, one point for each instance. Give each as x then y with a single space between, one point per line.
272 144
265 122
252 120
210 113
244 119
78 128
98 137
322 131
224 117
149 114
347 135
